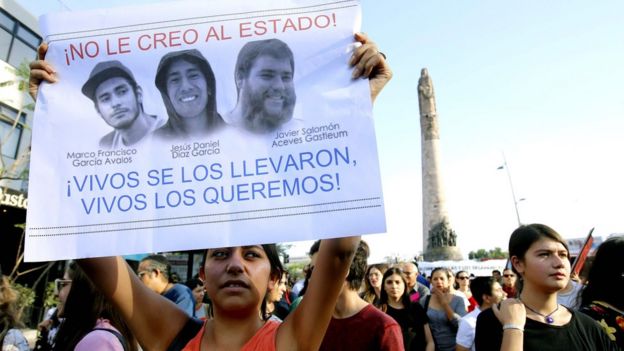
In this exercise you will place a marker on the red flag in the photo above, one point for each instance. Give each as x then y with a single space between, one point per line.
580 260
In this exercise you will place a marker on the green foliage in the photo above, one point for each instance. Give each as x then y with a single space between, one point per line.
26 296
50 298
483 254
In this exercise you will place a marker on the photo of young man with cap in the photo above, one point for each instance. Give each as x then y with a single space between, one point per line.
119 101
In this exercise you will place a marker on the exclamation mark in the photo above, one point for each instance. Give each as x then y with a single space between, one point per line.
334 18
337 181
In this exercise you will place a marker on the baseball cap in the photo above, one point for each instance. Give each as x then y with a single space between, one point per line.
103 71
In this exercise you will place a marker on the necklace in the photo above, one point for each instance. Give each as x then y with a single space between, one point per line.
546 317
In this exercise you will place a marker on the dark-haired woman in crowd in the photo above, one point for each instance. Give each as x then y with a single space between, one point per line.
372 283
444 309
462 284
90 321
603 296
395 301
534 320
199 294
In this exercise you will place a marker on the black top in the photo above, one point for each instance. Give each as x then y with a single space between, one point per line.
412 321
581 333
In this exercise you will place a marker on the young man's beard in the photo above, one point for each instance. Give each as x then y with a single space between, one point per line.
256 116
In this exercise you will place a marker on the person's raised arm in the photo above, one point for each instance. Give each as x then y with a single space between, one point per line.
369 62
305 328
40 70
154 320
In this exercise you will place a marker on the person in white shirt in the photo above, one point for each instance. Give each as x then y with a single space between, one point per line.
487 291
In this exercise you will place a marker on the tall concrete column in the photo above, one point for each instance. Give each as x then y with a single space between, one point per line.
439 240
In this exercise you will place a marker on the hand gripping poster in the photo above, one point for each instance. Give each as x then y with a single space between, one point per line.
182 126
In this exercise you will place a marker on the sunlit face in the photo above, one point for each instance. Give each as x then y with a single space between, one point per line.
198 294
117 102
268 93
440 281
509 277
148 276
239 278
497 293
374 277
394 287
187 89
409 273
278 289
545 266
463 279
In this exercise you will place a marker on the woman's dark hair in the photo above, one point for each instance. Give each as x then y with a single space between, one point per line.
606 276
445 270
276 270
524 236
383 298
456 285
521 240
84 306
9 313
369 292
193 283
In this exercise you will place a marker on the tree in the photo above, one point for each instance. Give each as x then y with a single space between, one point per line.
22 74
483 254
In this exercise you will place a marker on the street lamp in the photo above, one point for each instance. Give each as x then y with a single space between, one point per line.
513 193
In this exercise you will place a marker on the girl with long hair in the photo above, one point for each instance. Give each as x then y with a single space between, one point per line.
534 320
372 283
395 301
462 284
89 321
444 309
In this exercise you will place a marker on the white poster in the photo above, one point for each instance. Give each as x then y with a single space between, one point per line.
191 125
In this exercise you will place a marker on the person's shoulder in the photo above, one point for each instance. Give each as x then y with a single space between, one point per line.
99 340
373 314
487 317
473 315
583 319
107 140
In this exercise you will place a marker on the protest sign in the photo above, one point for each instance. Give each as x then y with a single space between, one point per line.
190 125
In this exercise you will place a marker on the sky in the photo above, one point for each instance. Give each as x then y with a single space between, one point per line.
538 82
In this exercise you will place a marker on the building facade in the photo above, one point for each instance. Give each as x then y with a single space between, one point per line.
19 39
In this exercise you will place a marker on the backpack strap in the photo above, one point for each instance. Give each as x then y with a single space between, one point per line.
427 298
117 334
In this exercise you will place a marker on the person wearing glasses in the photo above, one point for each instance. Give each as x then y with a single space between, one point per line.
462 284
90 322
415 289
509 283
155 272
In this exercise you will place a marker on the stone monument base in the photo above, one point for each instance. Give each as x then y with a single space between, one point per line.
446 253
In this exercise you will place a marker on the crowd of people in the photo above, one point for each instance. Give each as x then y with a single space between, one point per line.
242 299
105 305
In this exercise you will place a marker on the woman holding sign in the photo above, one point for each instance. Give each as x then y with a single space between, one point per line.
237 278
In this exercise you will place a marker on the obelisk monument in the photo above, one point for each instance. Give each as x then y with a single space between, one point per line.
439 239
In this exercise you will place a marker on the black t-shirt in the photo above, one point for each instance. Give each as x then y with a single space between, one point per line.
412 321
581 333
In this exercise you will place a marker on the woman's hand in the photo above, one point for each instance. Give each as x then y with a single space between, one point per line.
40 70
368 62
